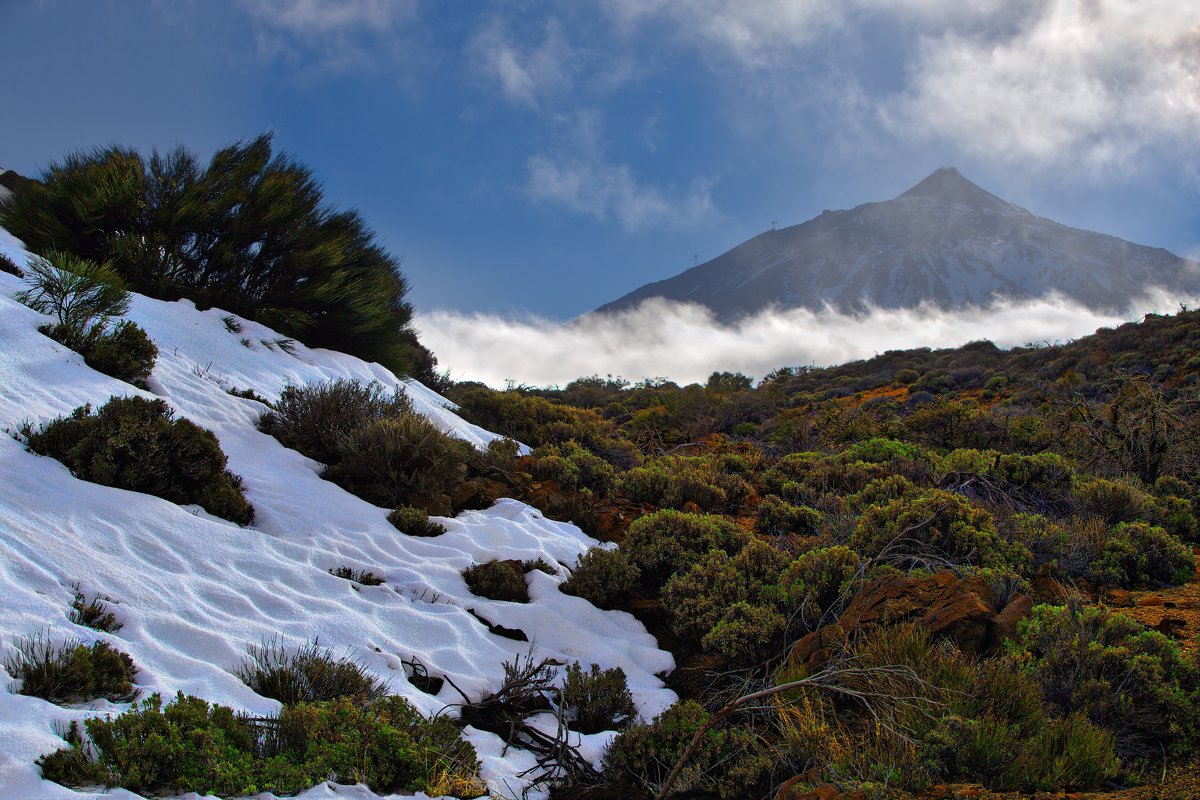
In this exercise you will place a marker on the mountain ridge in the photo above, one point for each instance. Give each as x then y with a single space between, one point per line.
944 241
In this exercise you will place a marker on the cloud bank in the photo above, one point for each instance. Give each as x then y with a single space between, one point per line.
684 343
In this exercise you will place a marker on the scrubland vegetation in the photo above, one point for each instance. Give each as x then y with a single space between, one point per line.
889 575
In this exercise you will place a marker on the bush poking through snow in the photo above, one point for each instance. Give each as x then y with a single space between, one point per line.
93 613
79 293
605 578
126 353
357 576
403 460
136 444
191 746
314 419
415 522
10 266
84 297
307 674
71 672
498 580
372 443
598 700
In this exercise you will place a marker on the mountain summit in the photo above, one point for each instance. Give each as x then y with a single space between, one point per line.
945 241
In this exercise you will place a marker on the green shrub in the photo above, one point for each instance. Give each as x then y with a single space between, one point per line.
1137 553
675 481
605 578
1125 678
402 460
250 232
415 522
937 527
817 581
82 296
777 517
357 576
731 762
125 353
133 443
598 700
498 580
191 746
1069 547
1111 501
307 674
882 491
10 266
93 613
71 672
730 604
573 468
667 542
316 418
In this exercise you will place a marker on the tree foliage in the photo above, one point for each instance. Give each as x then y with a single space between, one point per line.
250 232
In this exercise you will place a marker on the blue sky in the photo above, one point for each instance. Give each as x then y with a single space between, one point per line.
546 157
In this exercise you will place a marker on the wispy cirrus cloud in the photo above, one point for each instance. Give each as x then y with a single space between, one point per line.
605 191
335 35
530 75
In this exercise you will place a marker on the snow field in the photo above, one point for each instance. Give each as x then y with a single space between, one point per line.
194 591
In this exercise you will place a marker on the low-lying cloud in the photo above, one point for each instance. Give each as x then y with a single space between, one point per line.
684 343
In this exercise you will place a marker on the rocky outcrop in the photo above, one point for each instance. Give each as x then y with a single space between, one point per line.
946 605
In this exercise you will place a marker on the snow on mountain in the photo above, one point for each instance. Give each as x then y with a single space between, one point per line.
945 241
194 591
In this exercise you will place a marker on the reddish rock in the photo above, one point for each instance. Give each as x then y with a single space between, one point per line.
792 790
1118 598
943 603
1004 624
1150 600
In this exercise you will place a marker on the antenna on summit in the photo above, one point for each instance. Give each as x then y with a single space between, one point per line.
772 224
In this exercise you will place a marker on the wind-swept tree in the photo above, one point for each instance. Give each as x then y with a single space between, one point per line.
251 233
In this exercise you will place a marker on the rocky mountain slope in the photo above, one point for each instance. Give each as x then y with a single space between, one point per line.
945 241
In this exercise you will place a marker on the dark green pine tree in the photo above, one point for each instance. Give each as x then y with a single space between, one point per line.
250 233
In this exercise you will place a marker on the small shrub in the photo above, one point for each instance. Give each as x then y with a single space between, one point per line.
415 522
10 266
731 762
498 580
307 674
1128 679
777 517
1137 553
937 526
729 604
605 578
125 353
93 613
357 576
816 581
401 460
80 294
1111 501
191 746
675 481
666 542
71 672
573 468
136 444
598 700
314 419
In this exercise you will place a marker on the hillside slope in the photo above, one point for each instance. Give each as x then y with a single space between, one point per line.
945 241
194 591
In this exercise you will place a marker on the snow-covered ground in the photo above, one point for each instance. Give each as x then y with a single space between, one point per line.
193 591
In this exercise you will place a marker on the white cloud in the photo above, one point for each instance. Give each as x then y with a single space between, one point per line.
1096 82
684 343
587 186
333 34
1052 82
526 76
